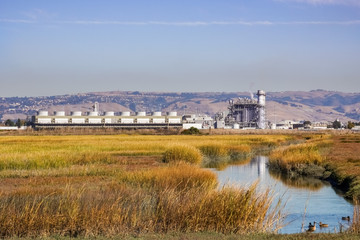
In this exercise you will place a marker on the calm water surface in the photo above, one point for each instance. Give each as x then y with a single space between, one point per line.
320 200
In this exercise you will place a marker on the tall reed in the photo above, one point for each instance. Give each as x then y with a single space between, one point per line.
355 224
120 208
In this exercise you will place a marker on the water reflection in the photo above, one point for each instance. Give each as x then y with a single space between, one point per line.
221 163
308 200
309 183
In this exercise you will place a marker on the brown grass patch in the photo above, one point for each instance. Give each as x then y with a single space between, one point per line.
344 155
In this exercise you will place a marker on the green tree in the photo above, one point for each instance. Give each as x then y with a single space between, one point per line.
350 125
336 124
18 123
9 123
307 122
191 131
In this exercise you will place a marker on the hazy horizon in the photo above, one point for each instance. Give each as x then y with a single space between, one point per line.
225 92
68 47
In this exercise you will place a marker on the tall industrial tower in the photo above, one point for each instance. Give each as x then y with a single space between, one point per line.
261 103
245 112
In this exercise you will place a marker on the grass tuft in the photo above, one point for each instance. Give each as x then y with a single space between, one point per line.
179 176
219 155
182 153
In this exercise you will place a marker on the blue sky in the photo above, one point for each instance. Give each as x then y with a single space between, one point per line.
73 46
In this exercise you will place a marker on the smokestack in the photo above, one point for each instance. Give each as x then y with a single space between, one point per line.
96 107
261 101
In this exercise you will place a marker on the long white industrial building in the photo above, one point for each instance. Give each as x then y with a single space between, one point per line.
107 119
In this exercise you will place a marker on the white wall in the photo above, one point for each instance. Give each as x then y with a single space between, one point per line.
189 125
44 120
61 120
159 120
174 120
127 120
143 120
94 120
78 120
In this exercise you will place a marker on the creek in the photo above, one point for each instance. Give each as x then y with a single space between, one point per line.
307 199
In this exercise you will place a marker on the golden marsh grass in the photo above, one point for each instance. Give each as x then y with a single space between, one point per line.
46 152
310 152
185 153
119 208
297 154
180 176
106 185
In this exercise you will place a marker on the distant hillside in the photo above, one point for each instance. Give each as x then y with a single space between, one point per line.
317 105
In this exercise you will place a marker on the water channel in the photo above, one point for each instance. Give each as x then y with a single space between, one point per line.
307 200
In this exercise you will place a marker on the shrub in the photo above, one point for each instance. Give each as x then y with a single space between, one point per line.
183 153
191 131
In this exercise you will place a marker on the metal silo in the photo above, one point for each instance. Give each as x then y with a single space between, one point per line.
59 113
43 113
76 113
108 114
125 114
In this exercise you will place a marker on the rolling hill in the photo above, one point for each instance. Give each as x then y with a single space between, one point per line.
316 105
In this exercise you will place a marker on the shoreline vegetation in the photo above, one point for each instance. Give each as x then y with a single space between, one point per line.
148 185
210 236
327 157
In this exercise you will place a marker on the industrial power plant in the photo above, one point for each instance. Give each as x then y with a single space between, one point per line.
244 113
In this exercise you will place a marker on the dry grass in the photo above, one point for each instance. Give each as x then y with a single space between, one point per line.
355 224
182 153
212 236
220 155
345 154
214 150
344 162
180 176
156 207
307 153
332 157
47 152
106 185
301 157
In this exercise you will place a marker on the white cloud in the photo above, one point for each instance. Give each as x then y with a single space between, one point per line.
352 22
188 24
16 21
37 13
212 23
326 2
165 23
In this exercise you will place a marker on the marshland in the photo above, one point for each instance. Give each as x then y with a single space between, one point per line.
148 186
